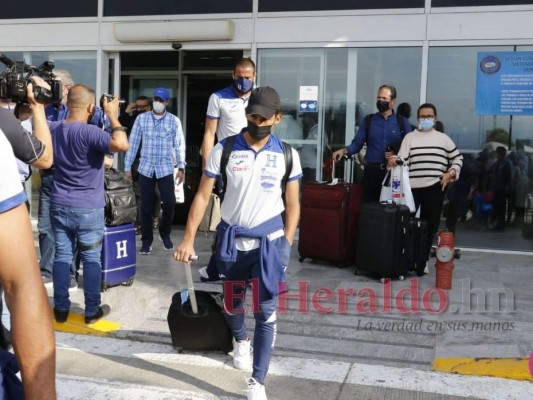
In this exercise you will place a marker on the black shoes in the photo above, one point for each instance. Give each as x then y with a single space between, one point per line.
60 316
103 310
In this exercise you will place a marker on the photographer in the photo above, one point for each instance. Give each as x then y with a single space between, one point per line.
77 200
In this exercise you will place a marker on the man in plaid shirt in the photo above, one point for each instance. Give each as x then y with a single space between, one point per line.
163 148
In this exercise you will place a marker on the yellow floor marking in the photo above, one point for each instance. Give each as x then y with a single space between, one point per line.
510 368
75 323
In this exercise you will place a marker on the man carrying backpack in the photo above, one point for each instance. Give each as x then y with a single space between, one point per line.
383 133
253 245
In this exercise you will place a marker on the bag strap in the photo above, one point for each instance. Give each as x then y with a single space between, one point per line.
401 124
368 121
287 154
226 151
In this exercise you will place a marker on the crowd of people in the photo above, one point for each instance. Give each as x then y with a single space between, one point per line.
74 141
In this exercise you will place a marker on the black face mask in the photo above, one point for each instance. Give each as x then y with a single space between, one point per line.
258 132
382 105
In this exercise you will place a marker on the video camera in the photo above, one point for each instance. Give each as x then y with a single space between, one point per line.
15 78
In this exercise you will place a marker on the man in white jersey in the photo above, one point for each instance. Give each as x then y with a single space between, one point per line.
253 245
21 279
226 117
225 110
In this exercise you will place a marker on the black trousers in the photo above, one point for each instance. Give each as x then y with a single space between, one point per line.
430 200
372 179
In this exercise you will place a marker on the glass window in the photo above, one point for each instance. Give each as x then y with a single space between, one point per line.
492 193
321 5
210 60
80 64
346 81
45 9
476 3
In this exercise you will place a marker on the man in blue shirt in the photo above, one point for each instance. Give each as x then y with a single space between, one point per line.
59 112
383 139
163 148
77 199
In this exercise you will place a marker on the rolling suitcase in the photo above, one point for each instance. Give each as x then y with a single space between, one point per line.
328 221
417 237
118 256
381 244
196 320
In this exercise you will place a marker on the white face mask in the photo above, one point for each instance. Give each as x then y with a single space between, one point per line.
158 107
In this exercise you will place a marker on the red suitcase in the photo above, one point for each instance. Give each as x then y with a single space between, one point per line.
328 222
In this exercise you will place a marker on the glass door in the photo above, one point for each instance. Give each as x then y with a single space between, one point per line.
298 77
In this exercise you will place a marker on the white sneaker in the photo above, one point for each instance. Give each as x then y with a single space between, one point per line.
203 273
426 270
241 355
255 390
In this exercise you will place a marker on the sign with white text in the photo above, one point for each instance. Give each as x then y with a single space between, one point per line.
504 83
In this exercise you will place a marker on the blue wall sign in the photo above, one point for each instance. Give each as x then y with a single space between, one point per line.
504 83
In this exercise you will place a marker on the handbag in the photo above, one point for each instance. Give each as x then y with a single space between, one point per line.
211 217
400 174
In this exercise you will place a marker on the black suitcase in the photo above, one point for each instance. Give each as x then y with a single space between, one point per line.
381 243
417 237
198 323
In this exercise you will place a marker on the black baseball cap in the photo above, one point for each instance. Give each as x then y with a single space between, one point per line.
263 101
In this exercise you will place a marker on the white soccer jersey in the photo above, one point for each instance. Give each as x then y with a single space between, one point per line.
253 195
228 108
11 191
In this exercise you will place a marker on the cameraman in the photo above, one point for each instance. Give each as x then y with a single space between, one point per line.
77 201
33 149
32 327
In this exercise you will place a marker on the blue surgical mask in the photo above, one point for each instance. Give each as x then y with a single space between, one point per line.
426 124
243 85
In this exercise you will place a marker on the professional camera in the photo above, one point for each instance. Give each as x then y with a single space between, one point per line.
109 98
15 78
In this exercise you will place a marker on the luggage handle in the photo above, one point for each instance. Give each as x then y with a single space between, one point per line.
339 180
190 285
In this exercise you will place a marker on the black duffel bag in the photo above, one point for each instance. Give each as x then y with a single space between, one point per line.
120 206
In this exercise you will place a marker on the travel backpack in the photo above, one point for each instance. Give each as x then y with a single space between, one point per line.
120 206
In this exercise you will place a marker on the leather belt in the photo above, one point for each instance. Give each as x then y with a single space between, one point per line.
372 165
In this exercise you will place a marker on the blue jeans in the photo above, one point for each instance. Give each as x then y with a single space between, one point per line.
46 234
168 198
86 226
237 275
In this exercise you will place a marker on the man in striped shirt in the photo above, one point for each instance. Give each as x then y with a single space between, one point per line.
163 148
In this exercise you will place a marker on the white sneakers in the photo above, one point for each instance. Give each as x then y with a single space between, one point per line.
241 354
255 390
243 360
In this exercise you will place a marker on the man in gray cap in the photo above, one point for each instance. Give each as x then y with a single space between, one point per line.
253 244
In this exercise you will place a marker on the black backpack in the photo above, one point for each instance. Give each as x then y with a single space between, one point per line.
228 147
120 206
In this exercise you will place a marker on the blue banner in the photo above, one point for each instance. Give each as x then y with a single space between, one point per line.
504 83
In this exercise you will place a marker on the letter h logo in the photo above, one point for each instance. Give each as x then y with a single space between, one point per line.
122 249
271 161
